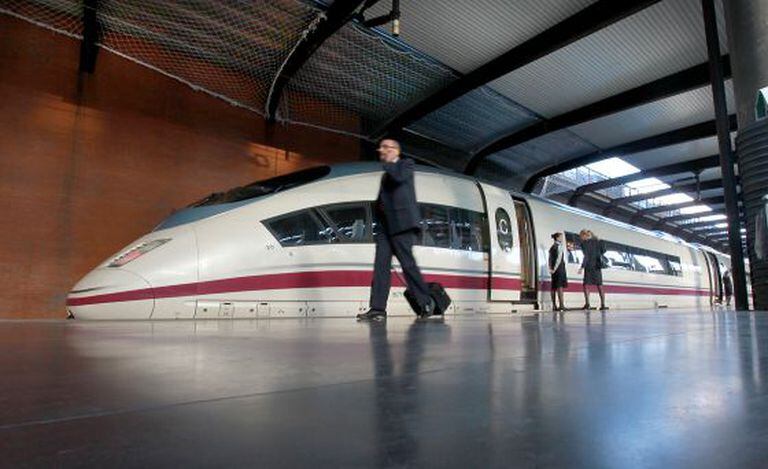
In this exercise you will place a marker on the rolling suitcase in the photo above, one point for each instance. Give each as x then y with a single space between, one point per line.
439 296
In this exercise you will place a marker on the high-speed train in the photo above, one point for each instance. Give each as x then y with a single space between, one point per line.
301 245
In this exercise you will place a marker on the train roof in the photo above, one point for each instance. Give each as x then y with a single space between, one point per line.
242 195
219 202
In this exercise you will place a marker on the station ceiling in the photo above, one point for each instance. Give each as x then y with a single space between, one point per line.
579 78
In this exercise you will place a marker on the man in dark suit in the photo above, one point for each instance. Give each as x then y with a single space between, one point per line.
398 216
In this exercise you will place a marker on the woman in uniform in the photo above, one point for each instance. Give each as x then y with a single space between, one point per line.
557 271
592 266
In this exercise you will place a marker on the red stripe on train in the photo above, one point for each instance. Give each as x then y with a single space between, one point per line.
311 279
343 278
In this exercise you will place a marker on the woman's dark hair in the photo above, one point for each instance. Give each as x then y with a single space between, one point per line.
555 235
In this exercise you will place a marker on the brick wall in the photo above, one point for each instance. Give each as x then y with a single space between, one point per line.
89 163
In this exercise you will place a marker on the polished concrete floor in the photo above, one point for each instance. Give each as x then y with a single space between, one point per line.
622 390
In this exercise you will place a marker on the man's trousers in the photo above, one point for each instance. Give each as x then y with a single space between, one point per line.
401 246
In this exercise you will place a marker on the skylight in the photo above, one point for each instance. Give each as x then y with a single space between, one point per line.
695 209
647 185
613 168
616 167
708 218
677 198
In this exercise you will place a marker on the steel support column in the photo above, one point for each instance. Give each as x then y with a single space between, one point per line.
748 44
91 35
726 158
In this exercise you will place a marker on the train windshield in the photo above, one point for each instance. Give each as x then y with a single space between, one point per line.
265 187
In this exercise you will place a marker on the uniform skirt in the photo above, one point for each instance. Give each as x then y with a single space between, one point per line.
559 278
593 276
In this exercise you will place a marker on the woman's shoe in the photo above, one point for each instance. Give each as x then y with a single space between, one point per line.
586 307
603 308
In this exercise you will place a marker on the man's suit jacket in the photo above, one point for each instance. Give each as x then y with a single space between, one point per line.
397 197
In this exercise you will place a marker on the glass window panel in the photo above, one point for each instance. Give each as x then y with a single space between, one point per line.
624 257
675 267
436 227
573 248
350 221
650 264
467 230
618 256
299 229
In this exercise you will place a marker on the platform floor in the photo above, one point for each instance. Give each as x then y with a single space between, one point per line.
622 390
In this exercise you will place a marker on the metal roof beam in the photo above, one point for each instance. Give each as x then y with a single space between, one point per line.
425 149
679 220
680 82
688 236
716 200
686 166
593 18
673 137
330 21
711 231
699 224
687 188
680 225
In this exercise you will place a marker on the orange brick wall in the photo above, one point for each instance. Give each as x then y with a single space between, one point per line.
88 165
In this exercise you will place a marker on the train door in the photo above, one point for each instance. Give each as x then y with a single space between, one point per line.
715 277
504 265
527 247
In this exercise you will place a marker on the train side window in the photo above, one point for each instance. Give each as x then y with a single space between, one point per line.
618 256
350 221
436 226
300 229
675 267
573 248
621 256
375 225
649 262
467 230
504 229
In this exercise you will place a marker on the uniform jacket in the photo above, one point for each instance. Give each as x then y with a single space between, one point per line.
397 197
555 251
593 253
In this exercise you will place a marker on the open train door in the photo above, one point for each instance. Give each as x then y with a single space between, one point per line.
715 277
505 251
527 246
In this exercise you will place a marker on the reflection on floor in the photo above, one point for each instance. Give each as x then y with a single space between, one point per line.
626 389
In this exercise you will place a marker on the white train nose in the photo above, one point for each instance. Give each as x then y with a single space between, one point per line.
110 293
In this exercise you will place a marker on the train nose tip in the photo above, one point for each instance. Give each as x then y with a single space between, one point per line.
110 293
